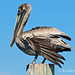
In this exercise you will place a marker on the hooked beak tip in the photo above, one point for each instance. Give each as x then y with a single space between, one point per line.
10 45
12 42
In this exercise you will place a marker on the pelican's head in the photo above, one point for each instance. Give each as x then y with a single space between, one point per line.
22 17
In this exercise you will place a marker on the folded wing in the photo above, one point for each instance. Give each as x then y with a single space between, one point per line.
49 45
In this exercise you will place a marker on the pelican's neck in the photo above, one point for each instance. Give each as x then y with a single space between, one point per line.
25 18
20 30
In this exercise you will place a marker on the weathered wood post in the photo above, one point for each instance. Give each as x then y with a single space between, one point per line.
41 69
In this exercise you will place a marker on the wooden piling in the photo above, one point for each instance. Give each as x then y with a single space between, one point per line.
41 69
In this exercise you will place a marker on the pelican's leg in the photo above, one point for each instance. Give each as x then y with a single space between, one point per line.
43 60
36 56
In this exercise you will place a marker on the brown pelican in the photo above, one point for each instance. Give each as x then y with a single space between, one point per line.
44 41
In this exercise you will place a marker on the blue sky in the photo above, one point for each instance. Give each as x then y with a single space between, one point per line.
50 13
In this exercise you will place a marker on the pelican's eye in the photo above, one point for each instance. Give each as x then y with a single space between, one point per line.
19 12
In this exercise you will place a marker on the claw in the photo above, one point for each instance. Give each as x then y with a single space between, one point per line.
43 60
27 67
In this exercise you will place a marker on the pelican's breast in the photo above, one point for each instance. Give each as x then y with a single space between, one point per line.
24 47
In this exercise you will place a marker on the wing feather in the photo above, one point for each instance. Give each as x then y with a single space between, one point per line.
46 32
46 42
51 55
54 43
46 50
50 59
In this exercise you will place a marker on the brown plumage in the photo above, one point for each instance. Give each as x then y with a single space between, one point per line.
44 41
